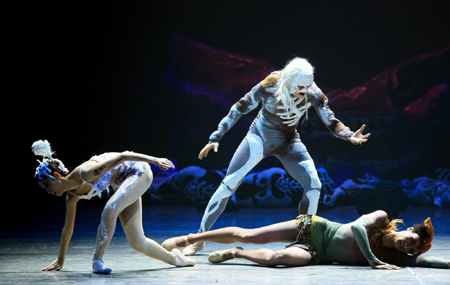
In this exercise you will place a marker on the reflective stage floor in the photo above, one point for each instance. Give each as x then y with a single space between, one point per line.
29 243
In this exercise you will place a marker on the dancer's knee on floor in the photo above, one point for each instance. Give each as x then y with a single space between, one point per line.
283 258
274 259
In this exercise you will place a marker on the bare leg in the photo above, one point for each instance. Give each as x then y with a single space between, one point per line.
292 256
280 232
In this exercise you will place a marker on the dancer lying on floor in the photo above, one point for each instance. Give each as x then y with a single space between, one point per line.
129 175
369 240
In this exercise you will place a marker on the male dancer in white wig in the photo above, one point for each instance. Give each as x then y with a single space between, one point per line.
286 96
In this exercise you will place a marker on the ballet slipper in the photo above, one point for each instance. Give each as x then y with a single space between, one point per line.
219 256
99 268
170 243
181 260
192 249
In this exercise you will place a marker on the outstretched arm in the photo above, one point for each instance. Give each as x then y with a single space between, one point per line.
358 137
92 170
336 127
359 229
246 104
421 261
71 206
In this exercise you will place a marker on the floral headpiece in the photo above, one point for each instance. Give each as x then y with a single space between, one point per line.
43 148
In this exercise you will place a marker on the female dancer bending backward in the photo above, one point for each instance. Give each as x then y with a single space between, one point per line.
129 175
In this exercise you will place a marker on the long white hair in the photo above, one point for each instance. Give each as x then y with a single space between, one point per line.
296 66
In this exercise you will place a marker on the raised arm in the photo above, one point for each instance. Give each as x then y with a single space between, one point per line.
92 169
66 235
359 229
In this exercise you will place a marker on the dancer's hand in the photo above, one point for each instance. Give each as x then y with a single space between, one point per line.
164 163
358 137
55 265
204 152
382 265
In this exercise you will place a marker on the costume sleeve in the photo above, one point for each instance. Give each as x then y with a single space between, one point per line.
360 234
359 230
320 102
421 261
246 104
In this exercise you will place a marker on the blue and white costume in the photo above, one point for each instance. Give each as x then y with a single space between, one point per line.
114 177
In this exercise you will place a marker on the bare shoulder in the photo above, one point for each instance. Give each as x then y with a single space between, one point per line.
379 214
381 218
375 219
270 81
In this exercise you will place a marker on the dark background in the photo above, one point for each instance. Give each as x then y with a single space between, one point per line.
89 75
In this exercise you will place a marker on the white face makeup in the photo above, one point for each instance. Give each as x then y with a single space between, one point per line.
300 85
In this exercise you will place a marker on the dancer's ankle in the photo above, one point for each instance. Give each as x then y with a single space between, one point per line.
99 268
182 241
235 252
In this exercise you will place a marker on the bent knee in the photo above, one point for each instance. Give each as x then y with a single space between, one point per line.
148 176
313 195
138 244
109 212
282 258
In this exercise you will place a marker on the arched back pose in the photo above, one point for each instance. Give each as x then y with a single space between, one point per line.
285 96
129 175
369 240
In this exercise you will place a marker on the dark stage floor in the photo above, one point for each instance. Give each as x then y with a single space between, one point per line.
30 243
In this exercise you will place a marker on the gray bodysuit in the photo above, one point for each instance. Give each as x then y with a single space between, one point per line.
272 132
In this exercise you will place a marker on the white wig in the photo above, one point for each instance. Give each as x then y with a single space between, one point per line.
297 67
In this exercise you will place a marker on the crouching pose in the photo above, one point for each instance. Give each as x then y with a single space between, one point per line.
286 96
369 240
129 175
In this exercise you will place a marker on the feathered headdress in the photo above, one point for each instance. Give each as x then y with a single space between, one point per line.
43 148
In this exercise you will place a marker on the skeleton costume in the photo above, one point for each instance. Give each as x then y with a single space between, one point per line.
272 132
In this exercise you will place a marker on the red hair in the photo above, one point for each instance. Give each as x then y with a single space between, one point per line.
427 241
424 230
